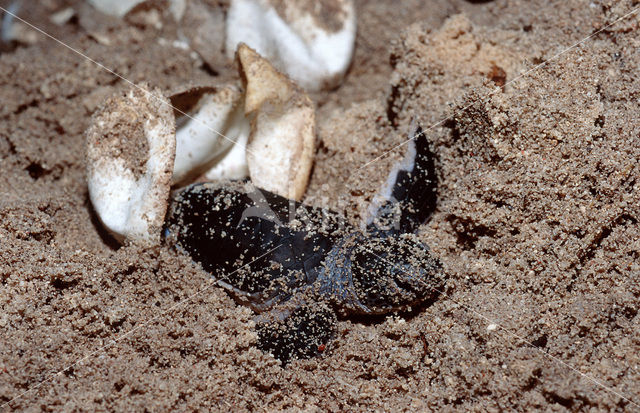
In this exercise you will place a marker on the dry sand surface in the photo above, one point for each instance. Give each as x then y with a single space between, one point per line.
537 224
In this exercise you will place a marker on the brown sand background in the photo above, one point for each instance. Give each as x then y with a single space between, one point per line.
537 223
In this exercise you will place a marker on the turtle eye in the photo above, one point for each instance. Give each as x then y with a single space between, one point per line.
394 272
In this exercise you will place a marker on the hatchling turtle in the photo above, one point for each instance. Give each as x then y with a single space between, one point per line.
297 266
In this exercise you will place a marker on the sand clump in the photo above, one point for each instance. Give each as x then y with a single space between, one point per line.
536 224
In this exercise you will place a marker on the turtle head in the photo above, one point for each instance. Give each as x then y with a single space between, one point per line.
393 273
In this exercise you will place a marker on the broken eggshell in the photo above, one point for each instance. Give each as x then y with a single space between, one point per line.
130 154
282 140
266 132
310 40
211 133
137 145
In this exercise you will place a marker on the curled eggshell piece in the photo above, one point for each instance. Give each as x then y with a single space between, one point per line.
210 126
282 140
233 164
130 149
140 143
312 41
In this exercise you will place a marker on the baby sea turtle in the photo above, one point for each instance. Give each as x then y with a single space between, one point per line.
297 265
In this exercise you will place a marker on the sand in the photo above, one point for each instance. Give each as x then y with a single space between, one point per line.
537 223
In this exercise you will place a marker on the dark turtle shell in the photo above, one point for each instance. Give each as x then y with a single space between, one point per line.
258 245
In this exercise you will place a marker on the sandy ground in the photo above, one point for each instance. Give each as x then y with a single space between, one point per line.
537 223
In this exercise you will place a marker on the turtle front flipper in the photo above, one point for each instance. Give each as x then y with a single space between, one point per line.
247 239
408 197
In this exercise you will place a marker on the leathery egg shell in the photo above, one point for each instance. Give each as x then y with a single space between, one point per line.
130 150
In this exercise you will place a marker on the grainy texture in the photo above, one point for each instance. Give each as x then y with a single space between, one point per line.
537 224
327 14
121 130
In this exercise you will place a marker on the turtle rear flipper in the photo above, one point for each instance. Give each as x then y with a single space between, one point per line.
301 335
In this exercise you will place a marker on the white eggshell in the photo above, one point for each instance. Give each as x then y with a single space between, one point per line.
130 154
313 52
115 7
282 139
207 129
232 165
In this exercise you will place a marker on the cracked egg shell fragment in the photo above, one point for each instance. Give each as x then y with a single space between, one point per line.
310 40
130 149
213 137
282 139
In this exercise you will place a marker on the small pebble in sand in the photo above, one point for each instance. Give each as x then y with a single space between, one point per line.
120 8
